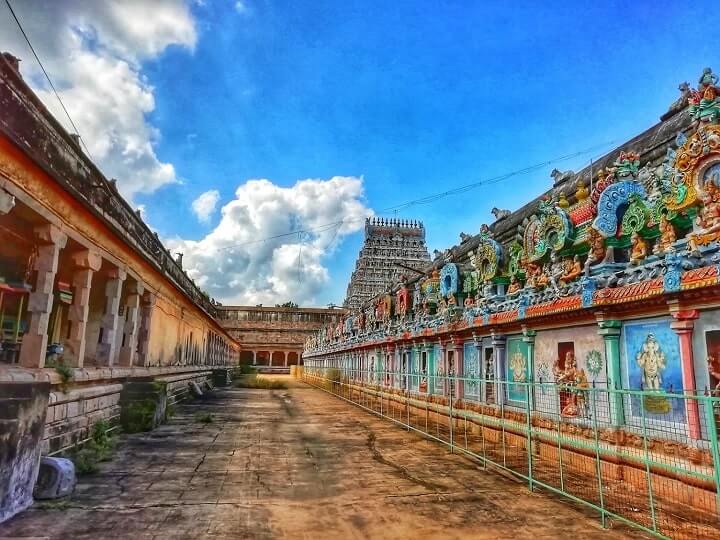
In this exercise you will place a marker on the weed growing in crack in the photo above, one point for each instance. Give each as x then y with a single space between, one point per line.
204 418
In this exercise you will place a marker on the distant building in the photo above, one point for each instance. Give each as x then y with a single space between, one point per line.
392 247
274 337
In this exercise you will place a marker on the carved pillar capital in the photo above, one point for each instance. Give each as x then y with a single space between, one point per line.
48 233
7 202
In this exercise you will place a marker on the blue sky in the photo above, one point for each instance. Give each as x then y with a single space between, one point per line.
413 97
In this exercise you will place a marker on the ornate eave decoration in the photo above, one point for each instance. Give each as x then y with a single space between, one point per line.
548 230
449 276
699 153
487 258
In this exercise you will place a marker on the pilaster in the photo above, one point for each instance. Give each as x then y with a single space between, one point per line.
86 264
683 325
40 302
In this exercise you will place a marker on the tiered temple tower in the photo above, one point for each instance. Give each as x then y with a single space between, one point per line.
390 245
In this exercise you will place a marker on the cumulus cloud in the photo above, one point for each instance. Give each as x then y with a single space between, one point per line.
204 206
238 263
94 51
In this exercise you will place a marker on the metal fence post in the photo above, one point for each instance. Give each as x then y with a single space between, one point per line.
711 420
651 499
449 383
598 465
529 437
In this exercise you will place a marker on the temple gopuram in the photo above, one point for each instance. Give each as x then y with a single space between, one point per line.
584 325
392 247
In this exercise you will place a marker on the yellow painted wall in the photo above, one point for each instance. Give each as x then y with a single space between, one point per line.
175 315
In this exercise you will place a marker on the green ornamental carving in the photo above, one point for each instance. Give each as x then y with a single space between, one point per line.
635 218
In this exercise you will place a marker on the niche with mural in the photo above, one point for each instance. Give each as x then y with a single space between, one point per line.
472 372
517 370
651 354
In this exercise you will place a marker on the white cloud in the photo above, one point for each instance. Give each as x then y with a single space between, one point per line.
241 7
235 263
93 52
204 206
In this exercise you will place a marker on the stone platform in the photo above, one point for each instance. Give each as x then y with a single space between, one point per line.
296 463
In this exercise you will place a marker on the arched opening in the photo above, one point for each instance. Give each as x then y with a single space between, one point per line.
293 358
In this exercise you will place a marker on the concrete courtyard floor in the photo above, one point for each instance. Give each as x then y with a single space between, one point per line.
296 463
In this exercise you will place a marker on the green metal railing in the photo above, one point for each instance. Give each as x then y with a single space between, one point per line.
653 464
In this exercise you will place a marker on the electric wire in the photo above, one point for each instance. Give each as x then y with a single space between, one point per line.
428 199
42 67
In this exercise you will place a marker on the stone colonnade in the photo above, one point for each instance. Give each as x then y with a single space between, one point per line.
125 321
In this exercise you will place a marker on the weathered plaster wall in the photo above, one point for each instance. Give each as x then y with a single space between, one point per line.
23 406
585 340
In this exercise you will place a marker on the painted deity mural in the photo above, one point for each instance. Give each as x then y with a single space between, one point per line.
471 371
652 362
517 369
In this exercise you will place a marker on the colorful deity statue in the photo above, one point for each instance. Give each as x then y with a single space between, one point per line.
557 269
708 219
667 236
514 286
576 381
597 247
542 278
714 369
704 102
652 361
572 270
638 248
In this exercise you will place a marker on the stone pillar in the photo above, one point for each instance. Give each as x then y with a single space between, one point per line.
148 308
441 367
254 358
683 327
86 264
457 348
130 329
610 331
106 349
40 302
286 353
529 338
498 343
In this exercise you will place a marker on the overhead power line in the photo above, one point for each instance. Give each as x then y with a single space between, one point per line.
428 199
42 67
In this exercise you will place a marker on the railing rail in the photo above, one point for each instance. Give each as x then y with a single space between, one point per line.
657 470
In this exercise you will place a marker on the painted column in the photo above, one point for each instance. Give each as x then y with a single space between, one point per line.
106 349
146 314
529 338
498 343
130 329
683 326
459 368
86 263
610 331
441 369
40 301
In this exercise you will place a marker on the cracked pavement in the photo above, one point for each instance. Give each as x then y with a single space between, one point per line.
296 463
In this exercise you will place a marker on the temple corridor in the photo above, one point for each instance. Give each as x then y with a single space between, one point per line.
296 463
